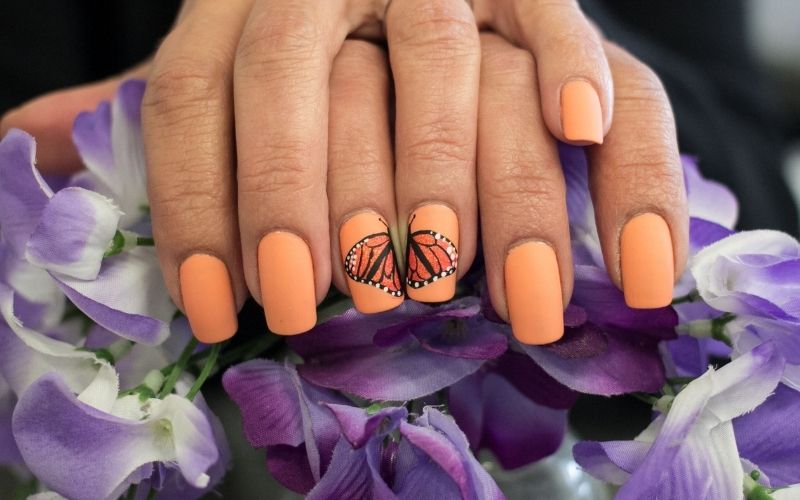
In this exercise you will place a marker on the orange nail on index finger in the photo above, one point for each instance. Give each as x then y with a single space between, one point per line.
208 298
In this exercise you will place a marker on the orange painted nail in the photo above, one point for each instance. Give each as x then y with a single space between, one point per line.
286 274
646 262
208 298
533 293
369 261
432 258
581 115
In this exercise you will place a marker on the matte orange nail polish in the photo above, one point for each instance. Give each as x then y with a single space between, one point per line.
370 264
208 298
533 293
286 276
432 254
646 262
581 114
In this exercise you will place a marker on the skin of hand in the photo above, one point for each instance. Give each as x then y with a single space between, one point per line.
273 172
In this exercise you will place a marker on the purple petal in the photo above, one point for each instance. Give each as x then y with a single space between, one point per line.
695 451
622 363
38 302
128 297
23 192
703 233
770 436
110 142
610 461
416 473
752 272
289 466
278 408
358 427
91 134
74 448
528 378
73 234
510 418
341 354
605 305
708 199
352 475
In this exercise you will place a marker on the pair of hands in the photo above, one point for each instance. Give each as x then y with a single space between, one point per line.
285 154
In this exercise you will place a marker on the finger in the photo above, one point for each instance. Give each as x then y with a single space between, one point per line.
637 187
435 57
281 93
361 179
50 117
575 84
522 198
187 124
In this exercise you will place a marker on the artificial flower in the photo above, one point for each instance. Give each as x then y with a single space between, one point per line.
69 232
690 451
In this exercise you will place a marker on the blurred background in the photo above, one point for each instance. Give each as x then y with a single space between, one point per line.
731 68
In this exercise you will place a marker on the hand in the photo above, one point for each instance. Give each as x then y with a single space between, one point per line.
267 66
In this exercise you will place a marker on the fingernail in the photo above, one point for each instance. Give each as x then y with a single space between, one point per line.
286 276
208 298
581 115
533 293
646 262
432 255
370 264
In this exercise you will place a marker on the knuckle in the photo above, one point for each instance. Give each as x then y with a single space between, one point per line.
652 171
186 200
184 86
526 180
287 38
509 66
440 141
277 169
443 29
573 44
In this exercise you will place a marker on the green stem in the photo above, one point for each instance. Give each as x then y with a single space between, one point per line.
211 362
718 328
646 398
679 380
131 492
689 297
151 494
145 242
178 368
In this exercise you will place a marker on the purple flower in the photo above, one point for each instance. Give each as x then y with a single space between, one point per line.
754 273
510 401
769 437
82 451
68 233
691 451
318 443
607 347
407 353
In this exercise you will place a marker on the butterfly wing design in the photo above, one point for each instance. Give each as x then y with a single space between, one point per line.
371 261
431 256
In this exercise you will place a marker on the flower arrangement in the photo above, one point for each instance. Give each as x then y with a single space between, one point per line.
100 377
